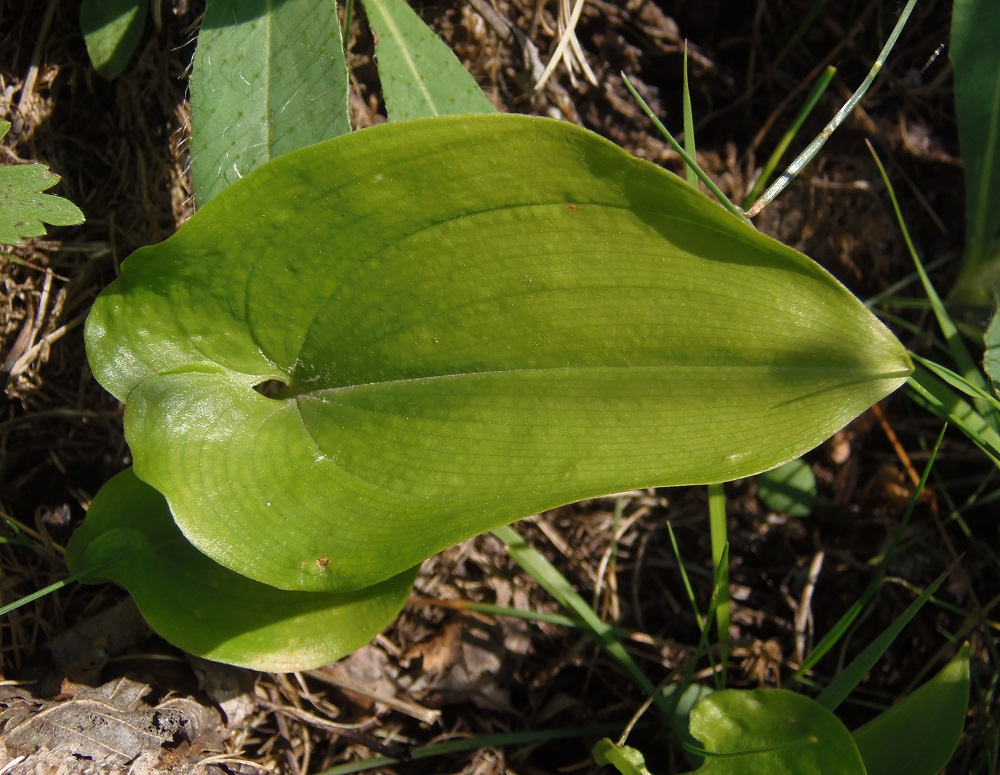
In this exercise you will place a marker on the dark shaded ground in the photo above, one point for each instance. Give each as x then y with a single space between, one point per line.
120 149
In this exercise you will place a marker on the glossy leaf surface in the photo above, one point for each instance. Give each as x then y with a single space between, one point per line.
772 732
475 318
269 77
209 610
919 734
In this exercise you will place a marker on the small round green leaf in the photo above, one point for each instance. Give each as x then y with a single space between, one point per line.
772 732
788 489
208 610
475 318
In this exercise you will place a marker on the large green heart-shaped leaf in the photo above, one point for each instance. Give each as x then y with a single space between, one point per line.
475 318
209 610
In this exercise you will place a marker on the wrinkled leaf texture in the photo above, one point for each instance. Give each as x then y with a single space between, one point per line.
475 318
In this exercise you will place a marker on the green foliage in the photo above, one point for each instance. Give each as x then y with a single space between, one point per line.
628 761
772 732
112 30
991 359
209 610
976 59
788 489
24 208
268 78
420 75
545 300
919 734
777 731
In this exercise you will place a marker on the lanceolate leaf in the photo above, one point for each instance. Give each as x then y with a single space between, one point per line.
269 77
475 318
976 59
420 75
919 734
112 30
208 610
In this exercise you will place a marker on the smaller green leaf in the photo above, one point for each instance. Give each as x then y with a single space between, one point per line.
919 734
24 208
112 30
788 489
991 360
976 60
772 732
852 675
268 78
627 760
420 75
208 610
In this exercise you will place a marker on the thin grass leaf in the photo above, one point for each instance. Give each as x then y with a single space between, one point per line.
854 673
936 396
699 619
814 147
844 623
472 744
958 382
774 159
690 173
54 587
548 576
689 160
956 345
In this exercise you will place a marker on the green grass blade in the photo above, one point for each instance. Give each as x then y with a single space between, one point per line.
958 382
684 577
936 396
956 346
852 675
54 587
689 160
786 139
690 173
471 744
559 587
844 623
814 147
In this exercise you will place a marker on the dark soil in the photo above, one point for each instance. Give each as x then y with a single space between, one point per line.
120 149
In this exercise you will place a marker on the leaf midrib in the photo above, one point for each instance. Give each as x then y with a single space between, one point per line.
580 371
404 50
